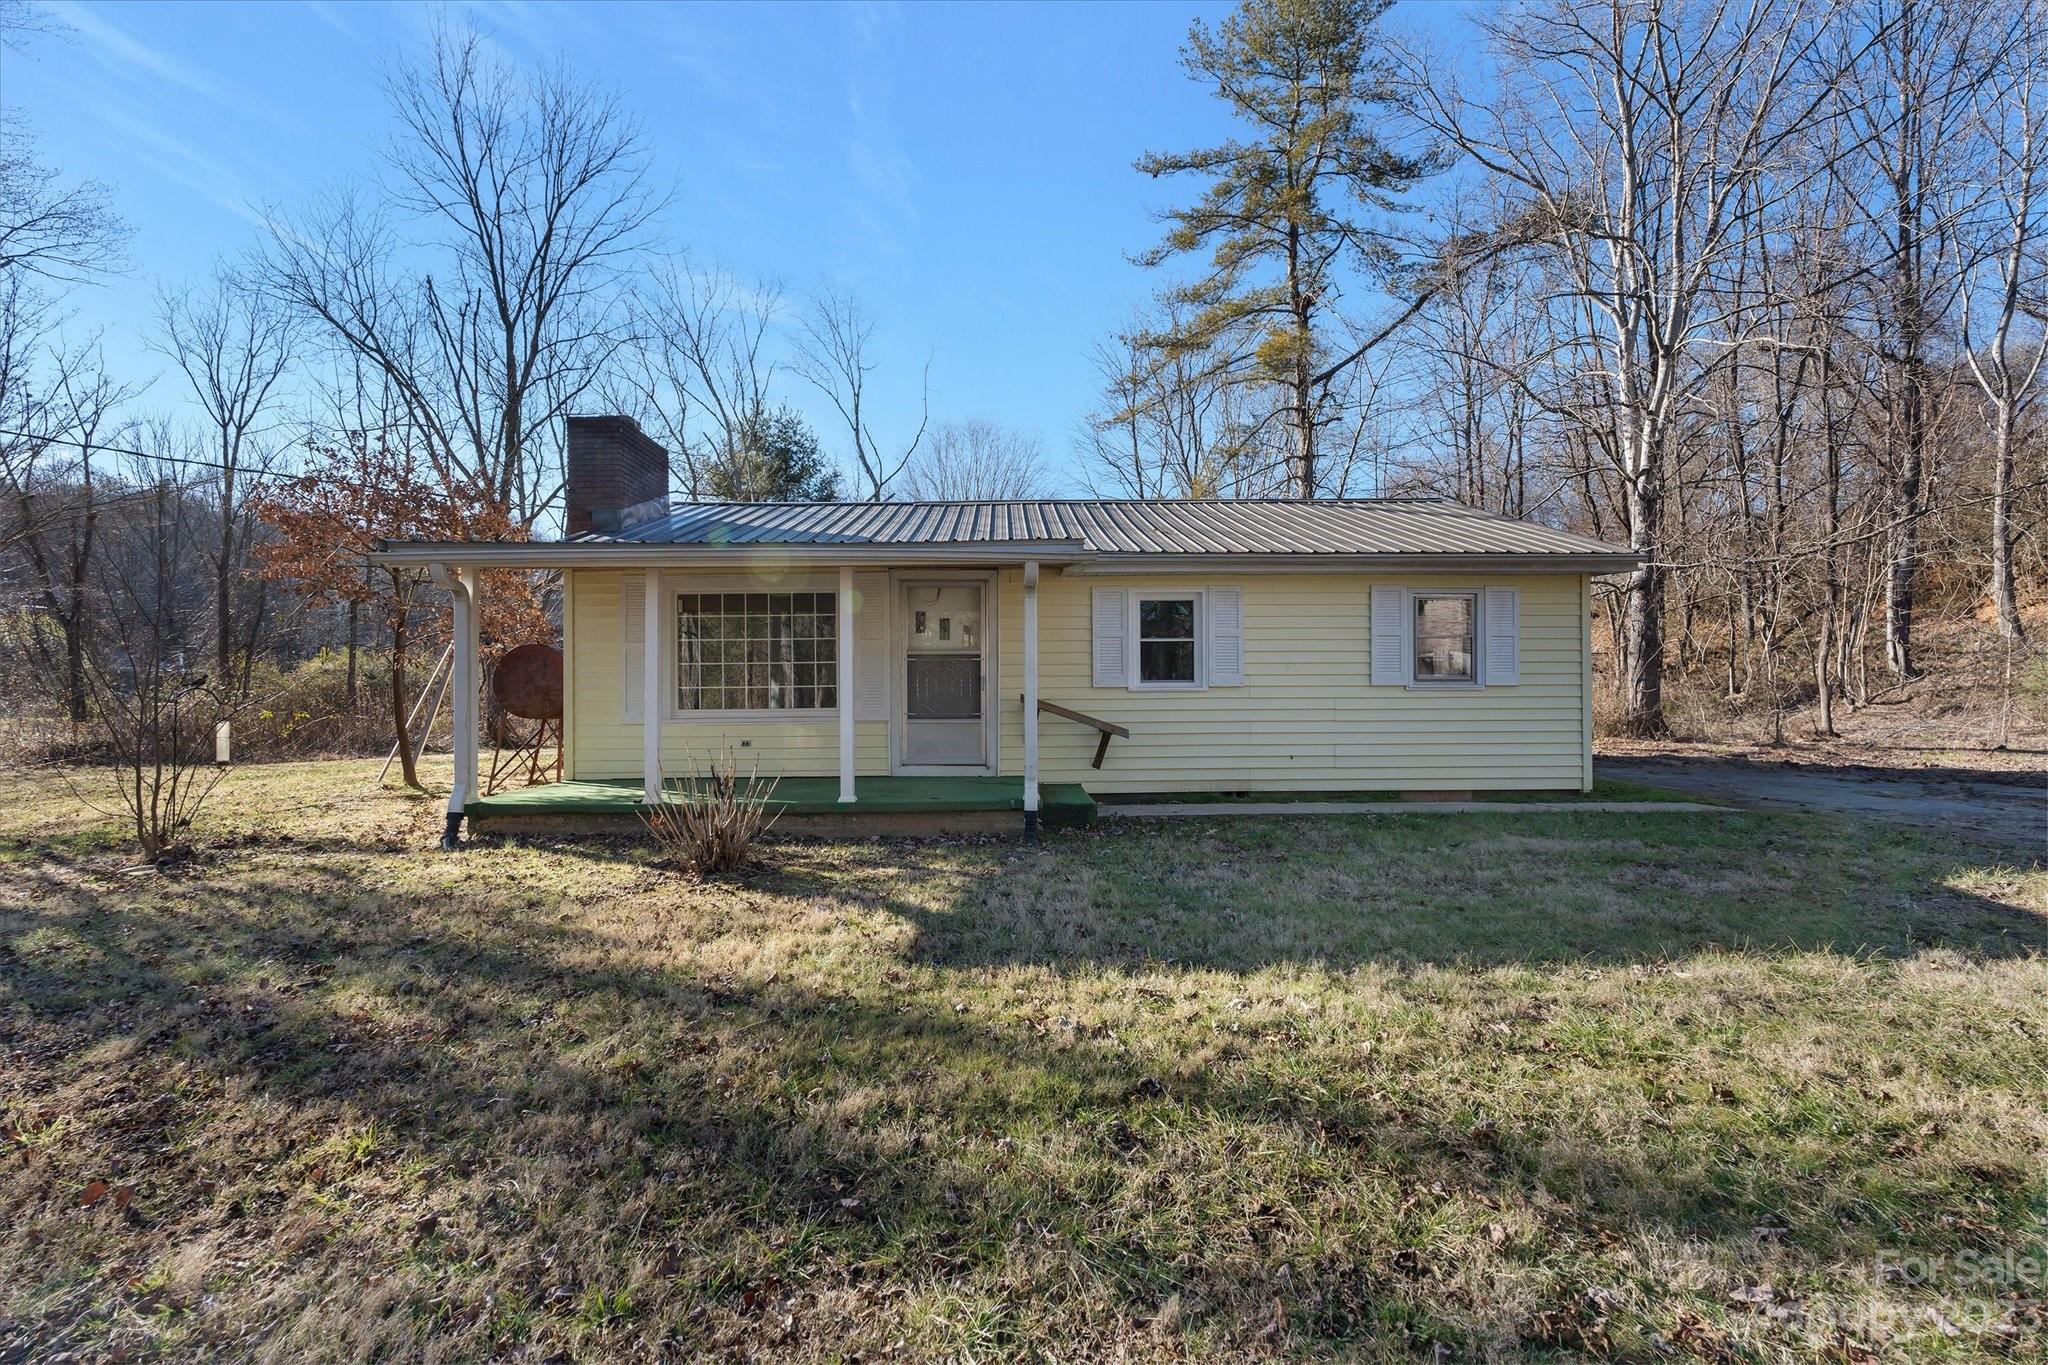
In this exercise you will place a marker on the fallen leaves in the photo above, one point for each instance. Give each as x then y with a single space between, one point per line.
97 1191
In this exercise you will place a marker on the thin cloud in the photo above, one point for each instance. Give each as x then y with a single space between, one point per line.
331 15
184 164
121 51
882 170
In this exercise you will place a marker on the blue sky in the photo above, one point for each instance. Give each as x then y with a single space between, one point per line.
965 167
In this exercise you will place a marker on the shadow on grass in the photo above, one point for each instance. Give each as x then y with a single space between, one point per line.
601 1097
1471 891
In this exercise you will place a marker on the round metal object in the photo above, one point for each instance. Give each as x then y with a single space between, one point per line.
528 682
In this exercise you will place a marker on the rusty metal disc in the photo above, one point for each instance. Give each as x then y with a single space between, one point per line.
528 682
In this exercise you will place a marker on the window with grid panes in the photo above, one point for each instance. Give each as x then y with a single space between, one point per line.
757 651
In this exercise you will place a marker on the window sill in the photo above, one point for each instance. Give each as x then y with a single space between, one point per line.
1474 686
752 717
1166 687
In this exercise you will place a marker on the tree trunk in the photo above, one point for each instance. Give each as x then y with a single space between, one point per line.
223 585
406 765
354 616
2004 595
1643 684
1909 291
1304 407
1903 545
77 620
74 661
1824 693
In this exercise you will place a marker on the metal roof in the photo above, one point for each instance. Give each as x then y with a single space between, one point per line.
1110 527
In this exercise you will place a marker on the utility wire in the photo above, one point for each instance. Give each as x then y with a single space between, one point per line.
192 461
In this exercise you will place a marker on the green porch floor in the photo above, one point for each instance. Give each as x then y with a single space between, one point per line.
1060 803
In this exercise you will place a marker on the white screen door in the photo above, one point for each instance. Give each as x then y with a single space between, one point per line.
944 687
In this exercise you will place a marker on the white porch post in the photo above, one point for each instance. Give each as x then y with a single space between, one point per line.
653 705
844 646
464 594
1031 697
473 581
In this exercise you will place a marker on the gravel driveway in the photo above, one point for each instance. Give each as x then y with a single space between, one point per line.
2011 808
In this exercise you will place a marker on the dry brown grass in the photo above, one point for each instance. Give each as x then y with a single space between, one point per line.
713 818
1982 704
1494 1087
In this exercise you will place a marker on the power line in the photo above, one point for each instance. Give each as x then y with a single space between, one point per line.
111 449
191 461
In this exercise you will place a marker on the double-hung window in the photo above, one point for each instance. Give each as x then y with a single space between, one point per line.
1446 637
757 651
1169 629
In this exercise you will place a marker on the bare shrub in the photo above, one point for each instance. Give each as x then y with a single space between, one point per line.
163 730
709 821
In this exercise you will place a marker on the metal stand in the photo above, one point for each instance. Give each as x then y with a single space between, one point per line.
528 754
451 838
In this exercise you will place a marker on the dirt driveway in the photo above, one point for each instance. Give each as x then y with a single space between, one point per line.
2011 808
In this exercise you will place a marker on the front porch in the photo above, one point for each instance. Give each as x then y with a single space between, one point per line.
697 650
880 805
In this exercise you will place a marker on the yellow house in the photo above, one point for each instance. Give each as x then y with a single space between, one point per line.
1011 649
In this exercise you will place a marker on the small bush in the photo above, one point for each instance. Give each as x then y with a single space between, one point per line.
709 822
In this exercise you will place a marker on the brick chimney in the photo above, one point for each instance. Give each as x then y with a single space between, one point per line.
617 475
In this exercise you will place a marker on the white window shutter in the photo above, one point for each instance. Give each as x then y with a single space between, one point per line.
1502 618
1226 637
871 646
633 637
1389 637
1112 624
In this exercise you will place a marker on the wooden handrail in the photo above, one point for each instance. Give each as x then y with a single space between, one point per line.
1094 722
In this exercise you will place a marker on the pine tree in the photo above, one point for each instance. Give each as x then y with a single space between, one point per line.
775 458
1282 214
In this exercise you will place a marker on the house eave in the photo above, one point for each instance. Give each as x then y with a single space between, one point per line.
1110 566
1068 557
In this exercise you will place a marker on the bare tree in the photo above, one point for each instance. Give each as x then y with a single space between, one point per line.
58 500
977 461
55 231
25 339
2008 266
1628 132
1171 425
532 194
233 345
151 713
1480 345
53 236
699 374
833 356
1906 93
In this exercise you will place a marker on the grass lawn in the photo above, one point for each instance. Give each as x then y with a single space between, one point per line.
1495 1086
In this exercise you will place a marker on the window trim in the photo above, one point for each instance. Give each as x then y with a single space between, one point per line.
673 588
1134 661
1416 682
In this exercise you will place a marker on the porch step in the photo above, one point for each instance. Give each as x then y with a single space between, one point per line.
1060 803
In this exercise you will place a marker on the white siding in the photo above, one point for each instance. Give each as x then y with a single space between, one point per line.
607 746
1306 717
